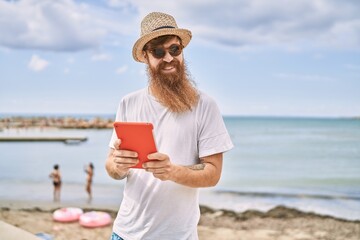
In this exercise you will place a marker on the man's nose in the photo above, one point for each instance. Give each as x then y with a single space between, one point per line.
168 58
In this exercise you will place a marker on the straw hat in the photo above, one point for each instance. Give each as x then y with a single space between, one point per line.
154 25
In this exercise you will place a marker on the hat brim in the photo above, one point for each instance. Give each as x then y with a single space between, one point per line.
183 34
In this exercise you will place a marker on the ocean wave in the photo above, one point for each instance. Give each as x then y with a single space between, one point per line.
280 212
288 195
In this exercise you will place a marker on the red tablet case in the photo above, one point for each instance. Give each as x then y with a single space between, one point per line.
137 137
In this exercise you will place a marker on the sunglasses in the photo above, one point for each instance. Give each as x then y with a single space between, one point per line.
160 52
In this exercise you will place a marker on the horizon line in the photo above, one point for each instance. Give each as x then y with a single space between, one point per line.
36 114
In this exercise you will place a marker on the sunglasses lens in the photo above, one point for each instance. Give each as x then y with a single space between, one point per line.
174 50
159 52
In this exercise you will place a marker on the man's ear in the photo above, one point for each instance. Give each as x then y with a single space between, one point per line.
145 56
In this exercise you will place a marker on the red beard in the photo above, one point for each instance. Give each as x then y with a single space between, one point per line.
174 90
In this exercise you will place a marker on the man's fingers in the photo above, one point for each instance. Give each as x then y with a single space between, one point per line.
125 153
124 165
156 170
157 156
121 160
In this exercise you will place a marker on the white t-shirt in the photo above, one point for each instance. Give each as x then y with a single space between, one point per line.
155 209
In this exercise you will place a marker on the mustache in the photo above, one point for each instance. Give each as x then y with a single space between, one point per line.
174 63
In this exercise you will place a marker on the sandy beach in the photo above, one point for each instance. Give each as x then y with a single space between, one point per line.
280 223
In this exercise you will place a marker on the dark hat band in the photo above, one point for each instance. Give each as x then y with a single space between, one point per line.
162 28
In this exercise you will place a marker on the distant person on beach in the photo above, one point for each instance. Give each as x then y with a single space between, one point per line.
161 201
89 170
56 177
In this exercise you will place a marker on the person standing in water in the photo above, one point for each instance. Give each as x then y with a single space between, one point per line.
89 169
56 177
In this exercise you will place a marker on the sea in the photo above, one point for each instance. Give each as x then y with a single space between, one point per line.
310 164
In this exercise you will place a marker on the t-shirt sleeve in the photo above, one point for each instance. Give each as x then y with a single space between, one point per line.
213 135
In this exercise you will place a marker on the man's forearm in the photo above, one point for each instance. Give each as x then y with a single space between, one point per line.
195 176
205 174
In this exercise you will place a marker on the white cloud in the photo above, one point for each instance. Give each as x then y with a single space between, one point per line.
62 25
101 57
37 64
68 25
122 69
279 23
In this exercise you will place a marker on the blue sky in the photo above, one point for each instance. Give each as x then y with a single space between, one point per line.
255 57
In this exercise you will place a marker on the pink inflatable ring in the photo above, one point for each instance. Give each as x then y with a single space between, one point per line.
69 214
95 219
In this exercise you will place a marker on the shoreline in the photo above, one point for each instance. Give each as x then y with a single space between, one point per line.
109 195
277 223
278 212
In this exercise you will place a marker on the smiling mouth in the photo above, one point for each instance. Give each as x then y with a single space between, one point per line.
168 68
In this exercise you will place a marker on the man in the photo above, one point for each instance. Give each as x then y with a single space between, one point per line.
161 200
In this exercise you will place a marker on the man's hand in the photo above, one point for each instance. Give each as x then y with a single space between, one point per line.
124 159
204 174
160 165
120 161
